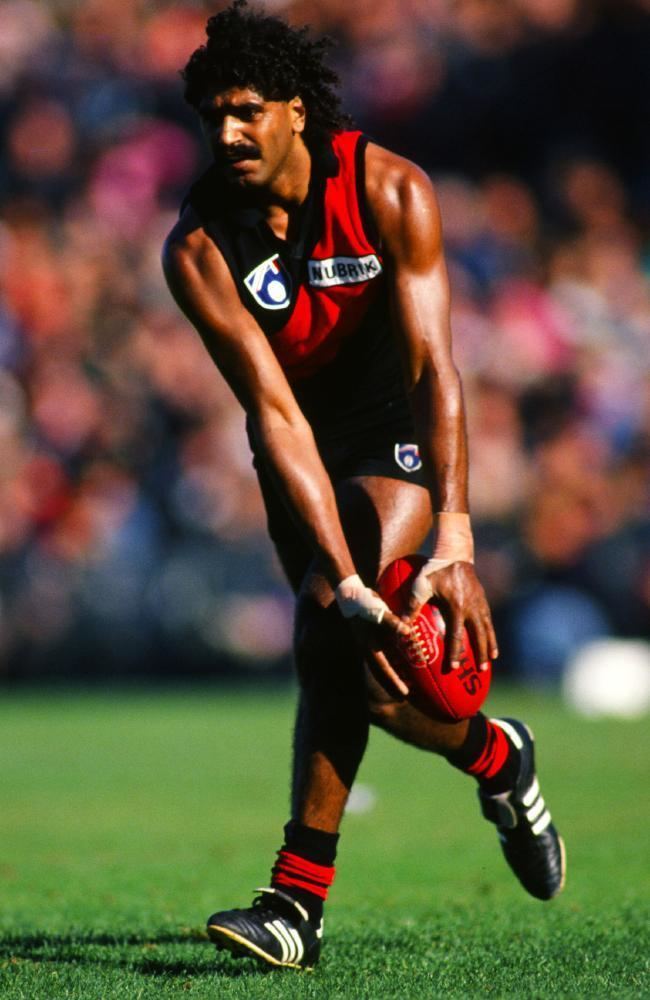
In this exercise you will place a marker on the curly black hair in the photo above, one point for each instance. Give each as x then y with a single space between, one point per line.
247 48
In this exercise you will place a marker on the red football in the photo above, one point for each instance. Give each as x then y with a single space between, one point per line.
434 687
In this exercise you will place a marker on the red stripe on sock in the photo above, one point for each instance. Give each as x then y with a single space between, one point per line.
494 755
302 866
291 882
292 870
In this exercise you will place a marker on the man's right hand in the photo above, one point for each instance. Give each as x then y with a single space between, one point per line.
373 638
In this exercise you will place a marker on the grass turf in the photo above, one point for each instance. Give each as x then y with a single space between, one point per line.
126 819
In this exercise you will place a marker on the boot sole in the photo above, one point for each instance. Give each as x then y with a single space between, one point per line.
224 938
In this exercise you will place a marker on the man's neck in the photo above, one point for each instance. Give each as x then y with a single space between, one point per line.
292 183
286 192
290 186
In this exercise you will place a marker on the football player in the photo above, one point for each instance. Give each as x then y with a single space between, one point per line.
310 261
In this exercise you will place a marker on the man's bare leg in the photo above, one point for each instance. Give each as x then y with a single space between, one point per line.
338 701
382 519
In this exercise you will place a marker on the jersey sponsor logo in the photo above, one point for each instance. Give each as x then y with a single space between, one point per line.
270 284
343 270
407 457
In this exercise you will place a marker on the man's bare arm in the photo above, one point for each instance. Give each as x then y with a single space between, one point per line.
202 285
407 215
204 289
409 223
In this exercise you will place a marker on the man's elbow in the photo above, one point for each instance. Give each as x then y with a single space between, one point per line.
429 377
271 421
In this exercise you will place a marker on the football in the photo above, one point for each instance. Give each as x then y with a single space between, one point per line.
420 660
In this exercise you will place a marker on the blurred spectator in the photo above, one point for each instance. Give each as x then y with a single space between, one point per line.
132 537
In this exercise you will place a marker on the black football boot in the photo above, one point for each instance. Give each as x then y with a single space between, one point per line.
531 844
275 930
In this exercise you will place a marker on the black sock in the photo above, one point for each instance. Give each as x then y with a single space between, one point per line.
318 850
488 755
472 746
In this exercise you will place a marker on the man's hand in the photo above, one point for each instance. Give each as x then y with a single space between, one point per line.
373 623
463 604
373 639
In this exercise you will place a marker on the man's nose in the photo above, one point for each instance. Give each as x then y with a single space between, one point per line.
230 131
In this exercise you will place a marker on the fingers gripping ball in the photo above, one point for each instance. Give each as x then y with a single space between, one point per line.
434 687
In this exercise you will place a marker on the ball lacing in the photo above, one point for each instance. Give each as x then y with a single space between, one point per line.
415 645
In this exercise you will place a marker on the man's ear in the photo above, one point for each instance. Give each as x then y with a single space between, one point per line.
298 114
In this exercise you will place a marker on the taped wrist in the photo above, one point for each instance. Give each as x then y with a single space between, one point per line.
355 600
422 588
454 543
454 540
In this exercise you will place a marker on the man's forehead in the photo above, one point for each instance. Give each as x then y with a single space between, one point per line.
233 97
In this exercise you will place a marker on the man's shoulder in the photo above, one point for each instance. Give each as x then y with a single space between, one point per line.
397 190
186 235
388 170
187 249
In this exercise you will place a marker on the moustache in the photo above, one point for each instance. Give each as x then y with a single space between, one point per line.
239 154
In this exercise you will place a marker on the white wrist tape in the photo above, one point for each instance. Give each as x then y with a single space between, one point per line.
453 544
355 600
454 540
422 588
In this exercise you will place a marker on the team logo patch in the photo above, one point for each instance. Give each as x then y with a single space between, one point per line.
270 284
407 457
343 270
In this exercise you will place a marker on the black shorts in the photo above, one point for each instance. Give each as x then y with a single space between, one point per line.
387 451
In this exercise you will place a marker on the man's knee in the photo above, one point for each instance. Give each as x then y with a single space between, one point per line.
318 632
326 656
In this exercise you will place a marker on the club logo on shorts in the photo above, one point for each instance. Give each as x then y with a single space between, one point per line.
407 457
270 284
343 270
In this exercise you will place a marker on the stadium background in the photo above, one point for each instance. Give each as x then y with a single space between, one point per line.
132 538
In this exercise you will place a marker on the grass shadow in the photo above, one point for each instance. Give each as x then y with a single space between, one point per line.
39 940
131 951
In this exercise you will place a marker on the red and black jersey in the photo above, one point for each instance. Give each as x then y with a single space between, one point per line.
321 297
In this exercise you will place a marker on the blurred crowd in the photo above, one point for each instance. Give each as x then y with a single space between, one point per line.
132 534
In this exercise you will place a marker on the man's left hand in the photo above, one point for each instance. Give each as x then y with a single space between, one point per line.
463 604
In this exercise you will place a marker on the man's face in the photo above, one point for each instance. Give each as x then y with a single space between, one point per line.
250 137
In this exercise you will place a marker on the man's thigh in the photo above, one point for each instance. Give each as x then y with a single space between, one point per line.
383 505
382 519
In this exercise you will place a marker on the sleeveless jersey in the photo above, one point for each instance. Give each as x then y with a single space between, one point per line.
320 298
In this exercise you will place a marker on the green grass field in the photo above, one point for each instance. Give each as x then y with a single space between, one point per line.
126 819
